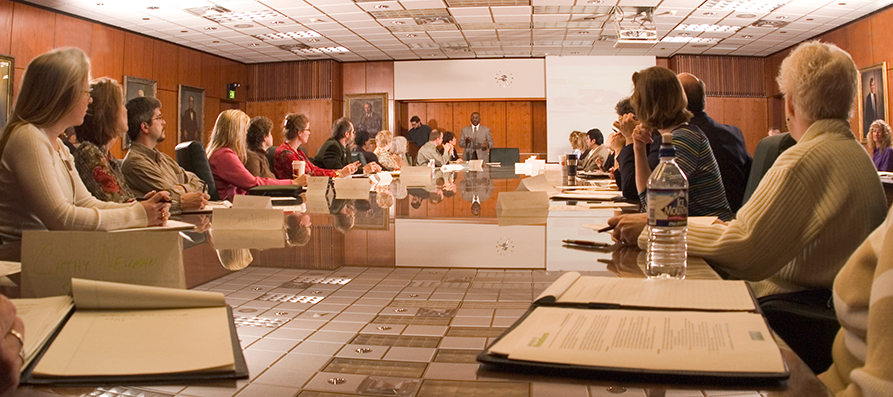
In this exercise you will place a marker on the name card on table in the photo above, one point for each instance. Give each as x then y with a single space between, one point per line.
352 188
537 183
248 219
476 165
244 239
317 186
51 258
252 202
416 176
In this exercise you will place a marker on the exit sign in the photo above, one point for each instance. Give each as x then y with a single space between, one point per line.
231 94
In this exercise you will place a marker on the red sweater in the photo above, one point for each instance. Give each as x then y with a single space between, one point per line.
285 155
232 177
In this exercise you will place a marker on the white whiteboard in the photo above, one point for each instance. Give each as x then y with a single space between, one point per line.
581 93
468 79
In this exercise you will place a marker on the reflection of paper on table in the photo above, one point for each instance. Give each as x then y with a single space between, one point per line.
248 219
537 183
588 195
522 200
383 178
252 202
51 258
476 165
728 342
171 225
210 207
416 176
451 167
352 188
317 186
242 239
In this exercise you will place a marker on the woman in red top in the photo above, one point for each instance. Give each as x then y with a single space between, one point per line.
226 155
297 133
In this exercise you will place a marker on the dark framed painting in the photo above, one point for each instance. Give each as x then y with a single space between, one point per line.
136 87
191 110
872 97
7 68
368 112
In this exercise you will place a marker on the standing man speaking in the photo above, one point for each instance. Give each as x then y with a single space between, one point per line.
476 140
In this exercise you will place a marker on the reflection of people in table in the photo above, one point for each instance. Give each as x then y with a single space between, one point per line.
476 187
189 123
369 121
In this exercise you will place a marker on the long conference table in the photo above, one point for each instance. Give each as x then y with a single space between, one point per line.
396 296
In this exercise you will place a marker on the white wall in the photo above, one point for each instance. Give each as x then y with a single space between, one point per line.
581 93
469 79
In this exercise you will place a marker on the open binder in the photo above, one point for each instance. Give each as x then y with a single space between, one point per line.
127 334
642 329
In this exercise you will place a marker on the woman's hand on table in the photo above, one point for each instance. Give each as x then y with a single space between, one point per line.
627 228
12 355
157 206
302 180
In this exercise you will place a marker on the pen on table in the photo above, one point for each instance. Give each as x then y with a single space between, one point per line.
606 229
161 201
586 243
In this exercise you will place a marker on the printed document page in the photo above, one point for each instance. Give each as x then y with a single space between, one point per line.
41 317
729 342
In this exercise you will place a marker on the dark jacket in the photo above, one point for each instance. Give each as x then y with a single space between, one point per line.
734 162
332 155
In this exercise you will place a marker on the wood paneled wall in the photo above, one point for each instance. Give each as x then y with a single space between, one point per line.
285 81
368 78
517 124
27 31
724 76
319 111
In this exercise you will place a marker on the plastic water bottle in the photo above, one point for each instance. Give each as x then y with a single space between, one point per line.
667 216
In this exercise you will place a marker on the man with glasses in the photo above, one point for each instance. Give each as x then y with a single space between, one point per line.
147 169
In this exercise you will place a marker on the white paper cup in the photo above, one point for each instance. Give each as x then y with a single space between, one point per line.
299 167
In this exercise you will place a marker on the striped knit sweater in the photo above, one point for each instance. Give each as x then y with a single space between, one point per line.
806 217
706 194
863 299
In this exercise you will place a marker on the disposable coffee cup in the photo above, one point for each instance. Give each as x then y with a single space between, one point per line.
299 167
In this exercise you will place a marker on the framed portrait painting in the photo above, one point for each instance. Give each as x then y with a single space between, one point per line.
872 97
191 110
136 87
6 71
368 112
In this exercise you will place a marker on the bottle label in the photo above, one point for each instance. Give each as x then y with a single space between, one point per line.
668 207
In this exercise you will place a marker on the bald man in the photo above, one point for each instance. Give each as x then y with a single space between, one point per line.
727 141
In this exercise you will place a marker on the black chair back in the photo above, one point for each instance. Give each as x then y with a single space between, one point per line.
807 322
763 157
271 153
191 156
507 157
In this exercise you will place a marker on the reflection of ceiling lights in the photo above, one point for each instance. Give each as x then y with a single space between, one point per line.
287 35
303 49
277 22
410 35
762 23
708 28
634 26
742 5
397 22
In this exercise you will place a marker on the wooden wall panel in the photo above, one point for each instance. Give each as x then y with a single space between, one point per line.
519 126
714 108
32 33
775 115
860 31
319 111
212 109
380 78
725 75
138 56
440 116
354 77
882 37
212 76
539 127
107 57
837 37
74 32
6 12
171 115
190 67
746 114
462 114
166 70
493 116
664 62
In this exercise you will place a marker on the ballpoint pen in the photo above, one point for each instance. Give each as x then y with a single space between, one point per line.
586 243
606 228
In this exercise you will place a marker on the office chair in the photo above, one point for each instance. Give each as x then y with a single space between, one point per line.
191 156
764 156
271 153
507 157
807 322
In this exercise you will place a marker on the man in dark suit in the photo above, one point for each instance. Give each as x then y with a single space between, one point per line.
189 123
870 110
476 140
334 154
727 141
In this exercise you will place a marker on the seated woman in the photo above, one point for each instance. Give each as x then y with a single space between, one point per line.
399 150
805 218
297 133
386 160
226 156
879 145
863 300
364 146
334 153
579 143
659 103
259 138
449 143
37 173
106 121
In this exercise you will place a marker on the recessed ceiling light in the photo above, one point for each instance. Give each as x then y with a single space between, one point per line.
184 31
683 34
746 16
709 14
382 6
286 35
782 32
747 36
315 20
410 35
574 53
433 55
253 44
152 7
743 5
210 28
100 4
700 45
810 19
146 19
594 2
582 32
663 48
277 22
216 41
782 17
708 28
841 4
313 40
397 22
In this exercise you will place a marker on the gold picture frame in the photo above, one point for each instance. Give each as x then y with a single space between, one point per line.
354 109
872 97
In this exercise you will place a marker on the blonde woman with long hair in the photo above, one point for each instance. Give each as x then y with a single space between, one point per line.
227 152
37 173
879 145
